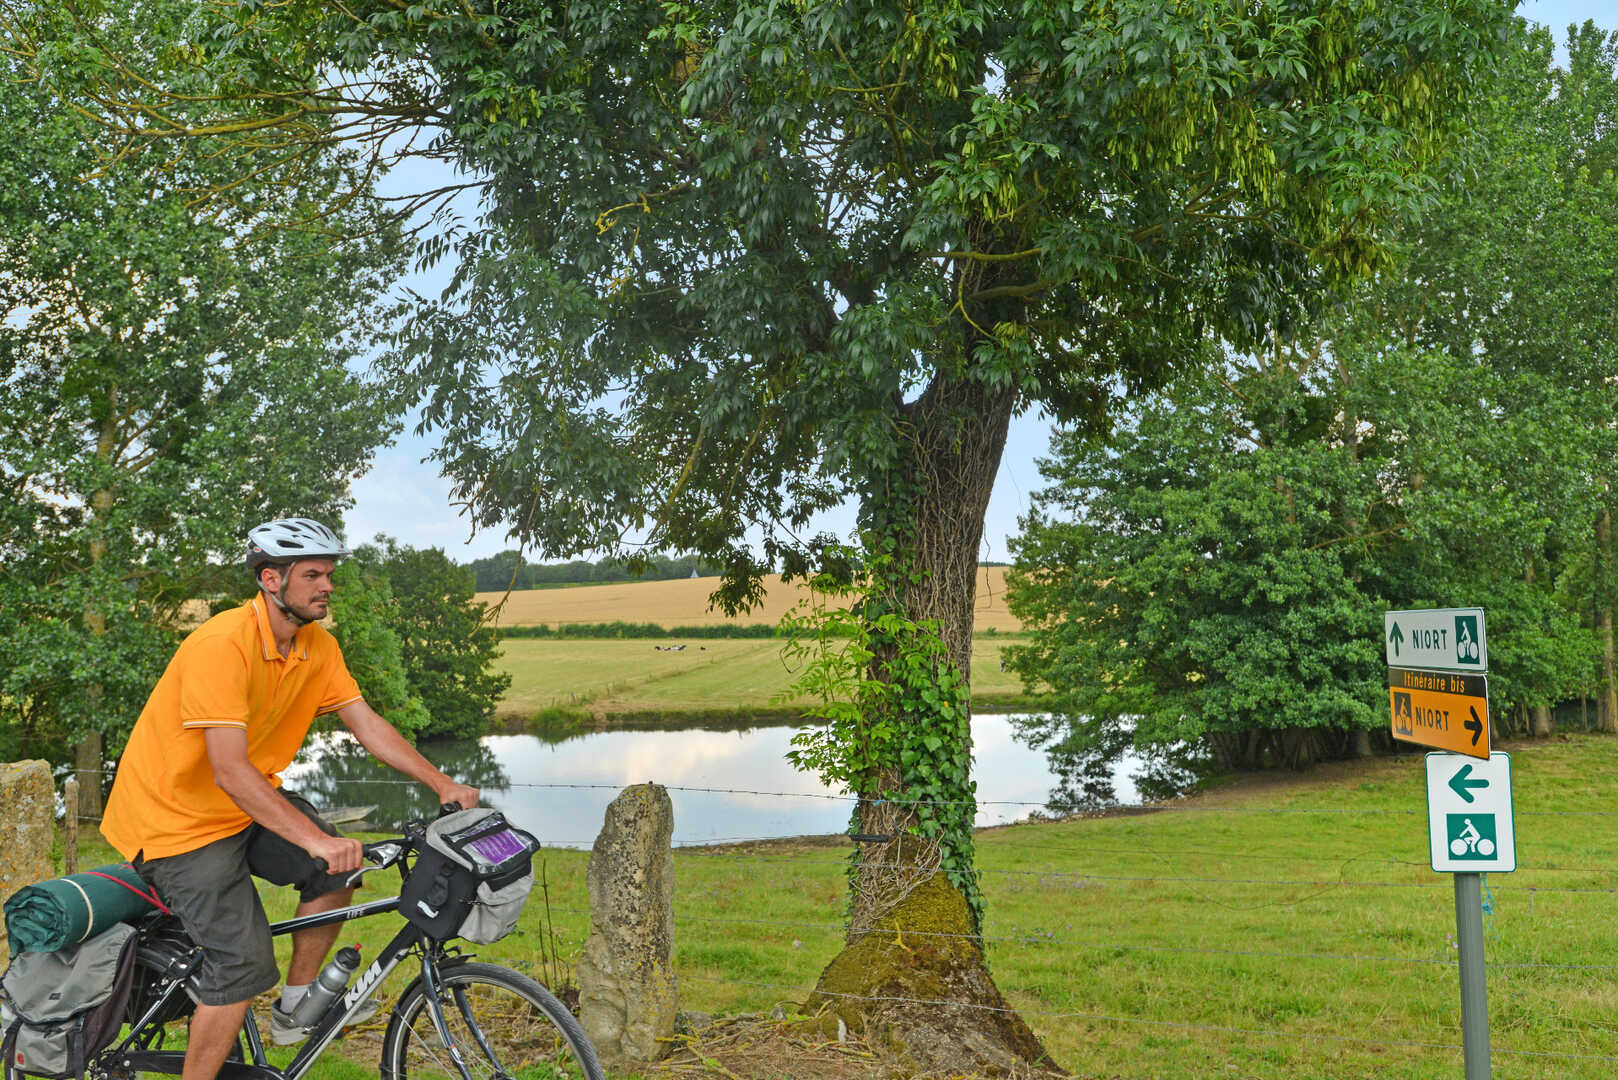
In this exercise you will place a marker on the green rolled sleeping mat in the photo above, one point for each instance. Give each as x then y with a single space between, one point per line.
64 911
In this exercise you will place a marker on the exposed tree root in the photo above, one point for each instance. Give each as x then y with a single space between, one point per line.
885 987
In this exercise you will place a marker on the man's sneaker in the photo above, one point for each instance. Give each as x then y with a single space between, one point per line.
283 1032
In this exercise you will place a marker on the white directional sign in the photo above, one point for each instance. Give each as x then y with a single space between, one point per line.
1442 639
1469 823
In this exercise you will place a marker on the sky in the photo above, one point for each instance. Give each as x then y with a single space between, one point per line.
404 497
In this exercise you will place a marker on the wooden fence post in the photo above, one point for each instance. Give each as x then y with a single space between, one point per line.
70 826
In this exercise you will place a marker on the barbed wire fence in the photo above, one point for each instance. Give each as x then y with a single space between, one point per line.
1513 974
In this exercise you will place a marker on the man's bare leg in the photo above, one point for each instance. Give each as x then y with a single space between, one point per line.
309 947
214 1029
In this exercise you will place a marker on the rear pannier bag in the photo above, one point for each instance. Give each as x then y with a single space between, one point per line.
64 1007
471 878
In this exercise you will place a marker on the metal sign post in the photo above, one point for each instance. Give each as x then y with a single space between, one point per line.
1471 830
1474 995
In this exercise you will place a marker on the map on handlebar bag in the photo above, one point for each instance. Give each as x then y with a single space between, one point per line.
488 843
497 847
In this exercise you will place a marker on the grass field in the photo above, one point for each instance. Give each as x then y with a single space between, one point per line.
621 676
685 603
1279 928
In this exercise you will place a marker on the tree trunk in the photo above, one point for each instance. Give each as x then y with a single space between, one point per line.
1539 724
959 433
914 944
87 765
88 755
1607 716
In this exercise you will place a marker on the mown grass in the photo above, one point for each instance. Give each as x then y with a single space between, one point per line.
1279 927
629 676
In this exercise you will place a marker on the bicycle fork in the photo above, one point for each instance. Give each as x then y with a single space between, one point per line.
429 983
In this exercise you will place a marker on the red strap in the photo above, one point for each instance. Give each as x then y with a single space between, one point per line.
148 896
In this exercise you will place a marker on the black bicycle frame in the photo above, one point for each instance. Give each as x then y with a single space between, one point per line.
126 1057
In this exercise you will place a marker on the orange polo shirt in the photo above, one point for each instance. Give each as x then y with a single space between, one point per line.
226 673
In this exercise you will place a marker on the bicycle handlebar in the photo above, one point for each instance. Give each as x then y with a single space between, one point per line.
384 853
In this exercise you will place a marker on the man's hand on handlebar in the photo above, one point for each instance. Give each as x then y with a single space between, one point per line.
340 854
466 797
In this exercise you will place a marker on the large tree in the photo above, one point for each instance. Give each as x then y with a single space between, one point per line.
1217 568
737 261
1214 573
1520 268
168 374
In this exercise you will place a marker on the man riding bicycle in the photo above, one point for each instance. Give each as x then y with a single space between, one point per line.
197 806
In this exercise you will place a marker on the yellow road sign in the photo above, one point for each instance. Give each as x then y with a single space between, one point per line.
1441 710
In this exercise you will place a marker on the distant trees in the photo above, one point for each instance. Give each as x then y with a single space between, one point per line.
414 636
508 570
365 621
1214 571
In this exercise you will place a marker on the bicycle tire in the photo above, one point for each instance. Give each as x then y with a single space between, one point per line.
527 1033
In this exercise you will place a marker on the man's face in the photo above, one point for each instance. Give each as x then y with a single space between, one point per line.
308 587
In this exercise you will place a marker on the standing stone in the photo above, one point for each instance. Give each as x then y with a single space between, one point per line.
27 818
627 999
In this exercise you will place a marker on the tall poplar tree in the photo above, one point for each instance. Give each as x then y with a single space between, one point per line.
1215 570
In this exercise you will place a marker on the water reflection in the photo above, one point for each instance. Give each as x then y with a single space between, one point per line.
335 770
560 790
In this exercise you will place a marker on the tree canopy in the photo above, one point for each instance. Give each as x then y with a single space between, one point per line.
169 374
1215 571
449 652
788 223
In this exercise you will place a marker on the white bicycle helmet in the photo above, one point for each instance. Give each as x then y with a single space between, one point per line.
287 540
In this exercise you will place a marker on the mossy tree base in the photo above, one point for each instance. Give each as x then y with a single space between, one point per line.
882 987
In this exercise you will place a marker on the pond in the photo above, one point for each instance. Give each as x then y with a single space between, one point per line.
726 785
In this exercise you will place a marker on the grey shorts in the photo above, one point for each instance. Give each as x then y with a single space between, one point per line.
211 891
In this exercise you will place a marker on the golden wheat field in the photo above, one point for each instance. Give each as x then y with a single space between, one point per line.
685 603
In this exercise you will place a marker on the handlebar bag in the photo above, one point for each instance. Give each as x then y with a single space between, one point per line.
472 876
64 1007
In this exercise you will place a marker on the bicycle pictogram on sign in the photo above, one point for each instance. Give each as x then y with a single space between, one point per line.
1471 836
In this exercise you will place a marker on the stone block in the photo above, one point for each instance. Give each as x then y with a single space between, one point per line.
627 995
27 826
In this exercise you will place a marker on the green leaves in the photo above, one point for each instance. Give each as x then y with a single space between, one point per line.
447 650
1217 570
169 376
719 245
365 618
897 727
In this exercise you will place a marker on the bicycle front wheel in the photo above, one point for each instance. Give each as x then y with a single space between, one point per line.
503 1025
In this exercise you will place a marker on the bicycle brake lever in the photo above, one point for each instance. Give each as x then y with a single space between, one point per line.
385 853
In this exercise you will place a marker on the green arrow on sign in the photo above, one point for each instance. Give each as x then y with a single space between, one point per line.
1460 782
1397 638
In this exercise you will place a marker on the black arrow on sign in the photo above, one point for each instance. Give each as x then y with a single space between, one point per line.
1474 725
